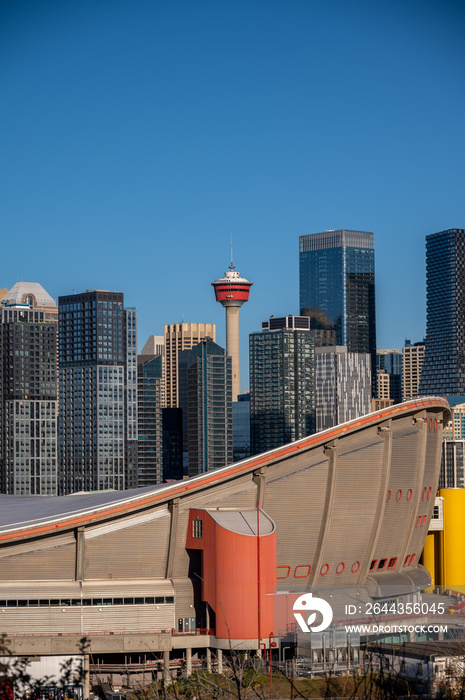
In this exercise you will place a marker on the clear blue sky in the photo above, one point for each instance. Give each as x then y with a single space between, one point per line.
137 135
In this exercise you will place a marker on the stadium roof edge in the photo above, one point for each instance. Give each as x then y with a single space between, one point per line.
66 512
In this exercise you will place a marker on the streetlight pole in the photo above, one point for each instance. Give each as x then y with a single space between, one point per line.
259 615
272 644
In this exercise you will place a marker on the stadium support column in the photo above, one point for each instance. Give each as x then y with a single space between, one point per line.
166 668
429 559
188 662
86 689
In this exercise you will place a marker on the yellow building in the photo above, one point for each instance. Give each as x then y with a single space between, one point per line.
444 553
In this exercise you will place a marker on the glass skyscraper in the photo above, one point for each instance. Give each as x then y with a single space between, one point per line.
337 289
443 370
282 383
241 427
98 392
209 401
149 420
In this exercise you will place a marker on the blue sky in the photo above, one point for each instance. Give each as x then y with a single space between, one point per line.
138 135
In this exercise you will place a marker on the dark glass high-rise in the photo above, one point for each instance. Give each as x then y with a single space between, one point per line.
337 289
282 383
98 392
443 370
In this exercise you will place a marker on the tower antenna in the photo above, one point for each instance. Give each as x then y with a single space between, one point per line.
231 267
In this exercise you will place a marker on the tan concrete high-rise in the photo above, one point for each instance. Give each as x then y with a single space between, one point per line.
181 336
455 428
412 361
383 384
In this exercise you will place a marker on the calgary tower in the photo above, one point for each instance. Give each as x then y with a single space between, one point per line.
232 291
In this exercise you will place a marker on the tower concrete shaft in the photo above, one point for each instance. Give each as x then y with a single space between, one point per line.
232 291
232 347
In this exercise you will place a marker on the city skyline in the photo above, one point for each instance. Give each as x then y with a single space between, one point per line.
145 330
138 138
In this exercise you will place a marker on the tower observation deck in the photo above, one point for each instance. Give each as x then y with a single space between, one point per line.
232 291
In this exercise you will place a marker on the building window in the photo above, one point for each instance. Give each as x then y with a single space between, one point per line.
197 528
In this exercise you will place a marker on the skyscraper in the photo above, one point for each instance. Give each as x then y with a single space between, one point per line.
443 370
29 399
241 427
454 429
383 395
209 398
282 383
181 336
412 361
343 386
172 444
149 420
389 374
452 464
98 392
155 345
150 400
337 288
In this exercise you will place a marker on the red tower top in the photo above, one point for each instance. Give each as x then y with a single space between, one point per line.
232 289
